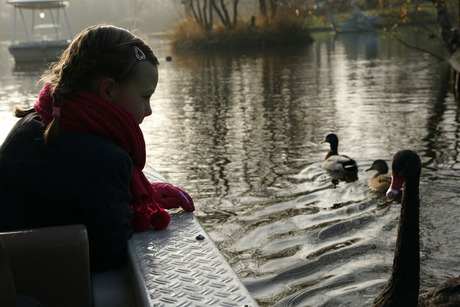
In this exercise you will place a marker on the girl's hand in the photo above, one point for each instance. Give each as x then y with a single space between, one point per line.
168 196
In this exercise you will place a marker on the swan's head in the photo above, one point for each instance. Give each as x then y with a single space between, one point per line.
331 139
406 164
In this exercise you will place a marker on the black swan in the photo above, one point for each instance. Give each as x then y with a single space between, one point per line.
335 162
402 289
381 180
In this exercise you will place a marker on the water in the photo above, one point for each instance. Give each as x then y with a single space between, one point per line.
241 132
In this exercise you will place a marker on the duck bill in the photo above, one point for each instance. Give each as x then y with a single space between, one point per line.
395 187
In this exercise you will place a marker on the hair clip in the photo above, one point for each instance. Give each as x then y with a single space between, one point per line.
140 55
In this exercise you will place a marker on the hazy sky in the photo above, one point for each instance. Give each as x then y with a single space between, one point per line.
151 15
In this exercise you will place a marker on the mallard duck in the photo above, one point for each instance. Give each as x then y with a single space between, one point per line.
381 180
402 289
335 162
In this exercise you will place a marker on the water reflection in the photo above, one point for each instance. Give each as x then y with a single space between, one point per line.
295 237
241 131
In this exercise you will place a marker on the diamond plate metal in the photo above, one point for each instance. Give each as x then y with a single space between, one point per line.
177 269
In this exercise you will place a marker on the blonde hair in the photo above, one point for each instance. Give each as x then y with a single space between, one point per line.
100 50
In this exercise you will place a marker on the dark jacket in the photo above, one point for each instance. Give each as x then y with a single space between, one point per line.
81 179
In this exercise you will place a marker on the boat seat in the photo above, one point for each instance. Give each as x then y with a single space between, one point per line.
48 265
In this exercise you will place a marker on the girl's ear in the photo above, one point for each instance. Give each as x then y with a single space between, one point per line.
107 88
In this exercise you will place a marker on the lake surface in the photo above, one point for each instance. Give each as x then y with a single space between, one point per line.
241 132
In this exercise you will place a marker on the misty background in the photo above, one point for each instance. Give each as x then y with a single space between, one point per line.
148 16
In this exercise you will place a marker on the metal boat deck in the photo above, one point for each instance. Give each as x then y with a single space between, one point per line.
176 266
181 266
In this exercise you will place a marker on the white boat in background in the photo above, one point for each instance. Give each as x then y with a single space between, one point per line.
42 29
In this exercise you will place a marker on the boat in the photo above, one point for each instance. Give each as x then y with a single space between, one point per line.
358 22
176 266
43 38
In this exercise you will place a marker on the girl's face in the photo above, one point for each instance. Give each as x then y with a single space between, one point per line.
134 96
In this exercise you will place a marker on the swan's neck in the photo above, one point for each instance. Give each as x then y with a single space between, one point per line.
403 286
406 266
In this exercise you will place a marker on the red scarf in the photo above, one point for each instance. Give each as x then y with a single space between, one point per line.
89 113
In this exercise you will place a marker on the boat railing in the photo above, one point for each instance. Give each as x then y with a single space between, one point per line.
46 32
54 9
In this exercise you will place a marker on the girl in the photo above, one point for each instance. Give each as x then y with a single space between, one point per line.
77 156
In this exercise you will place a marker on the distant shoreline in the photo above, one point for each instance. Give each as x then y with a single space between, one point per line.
286 30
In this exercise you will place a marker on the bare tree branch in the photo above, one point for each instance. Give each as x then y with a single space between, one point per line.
219 12
417 48
235 12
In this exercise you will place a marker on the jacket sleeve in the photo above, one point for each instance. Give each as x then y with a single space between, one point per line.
108 217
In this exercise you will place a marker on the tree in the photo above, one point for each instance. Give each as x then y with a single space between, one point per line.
265 18
444 22
203 12
222 11
445 18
